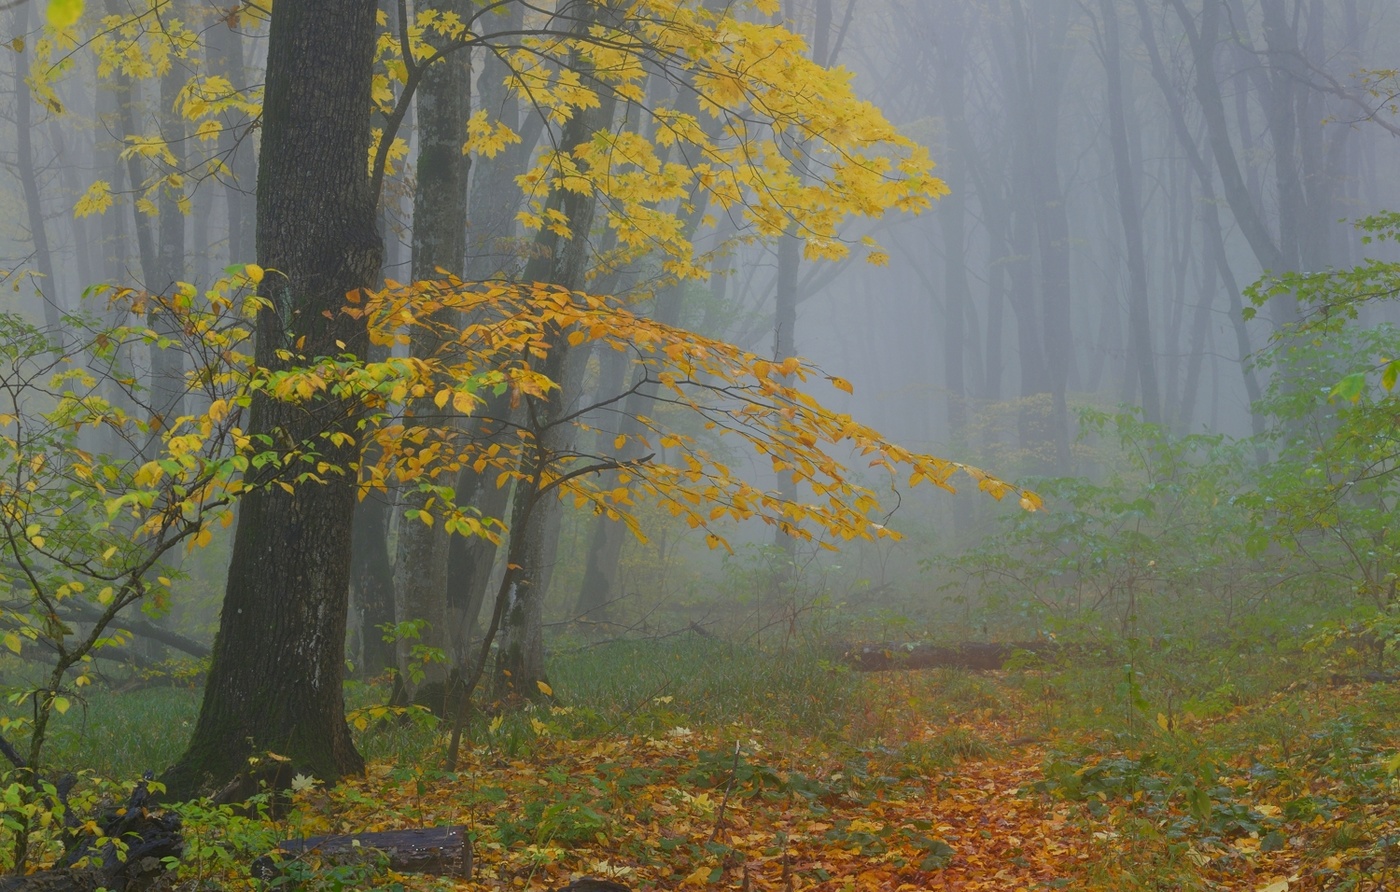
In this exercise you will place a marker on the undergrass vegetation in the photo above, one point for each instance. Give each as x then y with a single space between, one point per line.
1164 769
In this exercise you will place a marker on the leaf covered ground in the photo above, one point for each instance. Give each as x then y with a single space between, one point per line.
924 780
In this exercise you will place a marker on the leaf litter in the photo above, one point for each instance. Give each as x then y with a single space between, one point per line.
912 794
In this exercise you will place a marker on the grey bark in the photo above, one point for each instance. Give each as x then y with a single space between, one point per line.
1213 231
47 286
439 243
534 520
236 144
1130 215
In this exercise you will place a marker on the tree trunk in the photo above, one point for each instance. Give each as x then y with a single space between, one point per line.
600 585
372 582
1130 214
168 366
439 243
235 143
33 204
1213 232
534 520
1044 67
952 220
1207 89
495 199
275 678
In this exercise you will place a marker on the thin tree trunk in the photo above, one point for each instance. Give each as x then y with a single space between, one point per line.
235 143
439 243
558 260
168 366
47 288
1130 215
952 221
493 203
1207 88
1213 231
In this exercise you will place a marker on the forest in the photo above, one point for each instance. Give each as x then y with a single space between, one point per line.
610 445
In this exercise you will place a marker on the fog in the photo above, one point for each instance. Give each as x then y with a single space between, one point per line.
1119 171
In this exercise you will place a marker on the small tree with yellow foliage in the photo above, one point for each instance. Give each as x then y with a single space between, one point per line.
88 525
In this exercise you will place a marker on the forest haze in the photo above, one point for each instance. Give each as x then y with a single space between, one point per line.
399 379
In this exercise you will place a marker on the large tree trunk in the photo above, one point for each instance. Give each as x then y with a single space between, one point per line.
275 678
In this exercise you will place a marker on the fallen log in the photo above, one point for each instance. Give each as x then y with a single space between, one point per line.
148 839
443 851
977 656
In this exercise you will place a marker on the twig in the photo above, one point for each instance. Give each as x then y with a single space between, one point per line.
633 711
729 788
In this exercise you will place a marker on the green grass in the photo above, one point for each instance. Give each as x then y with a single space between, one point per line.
649 686
121 735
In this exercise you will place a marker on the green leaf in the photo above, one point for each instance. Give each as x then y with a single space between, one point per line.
1351 387
1392 371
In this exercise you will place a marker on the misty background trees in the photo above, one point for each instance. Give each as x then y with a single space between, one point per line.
1117 172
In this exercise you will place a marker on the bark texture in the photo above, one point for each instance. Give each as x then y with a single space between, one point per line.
275 678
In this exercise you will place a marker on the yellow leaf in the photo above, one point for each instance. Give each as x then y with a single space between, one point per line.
545 688
841 384
701 877
96 200
65 13
254 273
13 642
60 704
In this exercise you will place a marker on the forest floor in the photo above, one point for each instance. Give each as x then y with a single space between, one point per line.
928 779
